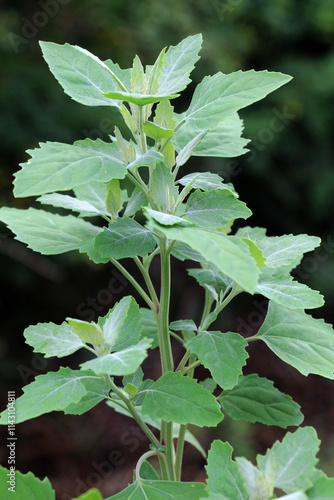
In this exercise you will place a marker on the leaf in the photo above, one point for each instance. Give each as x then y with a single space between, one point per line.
164 192
186 152
96 391
83 76
323 489
151 156
92 494
45 232
300 340
259 485
156 132
114 198
218 281
293 459
88 248
153 73
184 252
164 115
158 490
228 253
166 219
55 166
183 324
224 477
219 96
88 332
119 363
256 253
255 399
176 398
124 238
139 99
121 327
206 181
95 193
136 201
213 209
149 325
179 61
223 354
69 202
288 292
51 392
224 141
53 340
26 486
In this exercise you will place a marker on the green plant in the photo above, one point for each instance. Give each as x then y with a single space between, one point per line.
190 217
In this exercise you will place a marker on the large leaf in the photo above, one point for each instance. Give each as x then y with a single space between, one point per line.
175 398
122 362
299 340
122 327
206 181
161 490
212 209
219 96
93 192
83 76
229 254
51 392
224 477
70 203
224 354
256 399
55 166
124 238
45 232
224 141
96 391
178 63
293 460
53 340
323 489
25 486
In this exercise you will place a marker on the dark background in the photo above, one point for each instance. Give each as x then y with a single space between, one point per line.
287 179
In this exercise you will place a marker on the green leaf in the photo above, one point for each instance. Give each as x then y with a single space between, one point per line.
95 193
96 391
206 181
138 78
255 399
53 340
70 203
139 99
224 141
223 354
121 327
124 238
179 61
51 392
183 324
25 486
46 232
153 72
55 166
136 201
186 152
149 325
229 254
164 116
300 340
119 363
92 494
175 398
219 96
114 198
256 253
88 247
183 252
83 76
151 156
218 281
88 332
224 477
156 132
213 209
323 489
259 485
293 460
287 292
161 490
166 219
164 192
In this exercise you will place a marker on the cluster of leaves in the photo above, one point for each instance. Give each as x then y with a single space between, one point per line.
190 217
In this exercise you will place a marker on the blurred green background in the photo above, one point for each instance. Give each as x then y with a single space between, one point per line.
287 179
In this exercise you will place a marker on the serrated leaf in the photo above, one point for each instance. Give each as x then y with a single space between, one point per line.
293 460
213 209
164 192
175 398
323 489
224 141
121 327
83 76
256 253
96 391
255 399
55 166
151 156
166 219
87 247
211 277
87 332
53 340
26 486
139 99
186 152
179 61
119 363
51 392
206 181
156 132
228 253
124 238
164 115
219 96
223 354
69 202
93 192
298 339
158 490
224 477
260 486
287 292
45 232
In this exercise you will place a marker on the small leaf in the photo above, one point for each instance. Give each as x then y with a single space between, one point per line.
151 156
136 201
88 332
26 486
183 324
223 354
70 203
158 490
206 181
139 99
256 399
256 253
175 398
186 152
153 73
166 219
124 238
156 132
164 115
92 494
114 198
164 192
300 340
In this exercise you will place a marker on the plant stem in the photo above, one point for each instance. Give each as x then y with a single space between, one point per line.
190 368
148 281
179 451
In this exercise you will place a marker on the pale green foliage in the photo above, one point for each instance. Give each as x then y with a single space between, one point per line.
27 487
